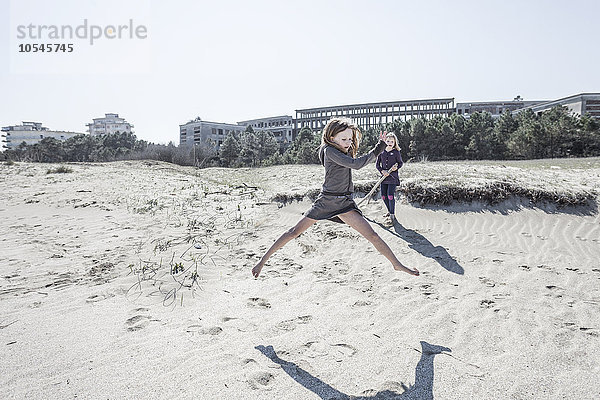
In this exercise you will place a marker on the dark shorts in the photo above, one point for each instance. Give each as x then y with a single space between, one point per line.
328 207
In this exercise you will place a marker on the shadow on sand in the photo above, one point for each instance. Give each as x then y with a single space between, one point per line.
419 243
421 390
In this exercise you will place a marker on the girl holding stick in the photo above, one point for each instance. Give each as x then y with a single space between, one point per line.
339 144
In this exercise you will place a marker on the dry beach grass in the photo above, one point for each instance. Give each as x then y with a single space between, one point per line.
132 280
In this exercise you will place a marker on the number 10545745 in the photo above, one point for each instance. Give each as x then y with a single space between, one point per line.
45 48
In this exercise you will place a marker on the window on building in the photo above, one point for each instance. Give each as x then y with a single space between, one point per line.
220 131
214 131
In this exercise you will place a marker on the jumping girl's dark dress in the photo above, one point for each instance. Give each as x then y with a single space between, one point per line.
336 195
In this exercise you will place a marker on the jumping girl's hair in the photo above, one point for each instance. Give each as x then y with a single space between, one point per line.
340 124
396 145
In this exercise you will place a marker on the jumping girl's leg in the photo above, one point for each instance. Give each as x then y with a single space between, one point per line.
292 233
356 221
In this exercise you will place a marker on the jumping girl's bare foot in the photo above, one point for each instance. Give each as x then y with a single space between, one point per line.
402 268
256 270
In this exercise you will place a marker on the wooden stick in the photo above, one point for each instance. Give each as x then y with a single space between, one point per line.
376 185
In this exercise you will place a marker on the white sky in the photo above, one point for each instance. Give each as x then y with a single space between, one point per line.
230 61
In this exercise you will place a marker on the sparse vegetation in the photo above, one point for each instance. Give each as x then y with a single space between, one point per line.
59 170
555 181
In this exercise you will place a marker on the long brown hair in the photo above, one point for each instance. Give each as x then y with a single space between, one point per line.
339 124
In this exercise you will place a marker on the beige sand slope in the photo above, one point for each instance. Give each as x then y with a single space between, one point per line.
507 306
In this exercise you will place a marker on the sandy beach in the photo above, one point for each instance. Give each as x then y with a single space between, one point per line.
132 280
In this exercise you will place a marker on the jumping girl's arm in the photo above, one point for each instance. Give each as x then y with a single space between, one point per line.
355 163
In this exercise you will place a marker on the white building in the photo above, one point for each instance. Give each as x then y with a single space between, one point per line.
214 133
578 104
31 133
496 108
282 127
111 123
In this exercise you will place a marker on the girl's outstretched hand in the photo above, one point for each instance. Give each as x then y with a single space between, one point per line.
382 135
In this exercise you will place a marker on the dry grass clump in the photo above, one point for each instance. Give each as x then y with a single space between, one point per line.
491 193
568 182
59 170
287 197
447 193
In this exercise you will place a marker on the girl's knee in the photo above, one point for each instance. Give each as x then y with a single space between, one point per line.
294 232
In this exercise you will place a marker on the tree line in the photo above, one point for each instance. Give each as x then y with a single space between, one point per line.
554 133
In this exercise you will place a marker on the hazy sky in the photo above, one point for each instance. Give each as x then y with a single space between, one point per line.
229 61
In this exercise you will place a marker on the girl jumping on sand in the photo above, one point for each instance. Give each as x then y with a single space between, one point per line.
339 144
389 158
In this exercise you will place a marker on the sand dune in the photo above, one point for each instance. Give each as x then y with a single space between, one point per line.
132 280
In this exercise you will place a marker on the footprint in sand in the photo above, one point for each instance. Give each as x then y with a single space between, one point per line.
239 324
401 288
314 349
428 291
343 351
248 361
335 275
101 296
547 268
487 303
487 281
95 298
388 386
257 302
288 266
555 291
203 330
63 280
361 303
587 330
290 324
322 272
576 270
137 322
306 248
339 351
260 380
